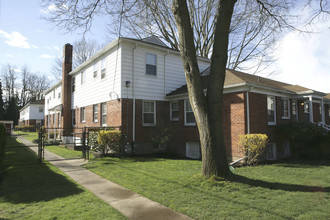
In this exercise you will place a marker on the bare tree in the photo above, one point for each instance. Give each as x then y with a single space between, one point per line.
9 76
25 74
207 107
82 50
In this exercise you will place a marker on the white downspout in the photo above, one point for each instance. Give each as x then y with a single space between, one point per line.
133 93
248 112
165 73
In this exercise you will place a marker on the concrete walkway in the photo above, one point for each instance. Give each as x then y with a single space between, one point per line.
130 204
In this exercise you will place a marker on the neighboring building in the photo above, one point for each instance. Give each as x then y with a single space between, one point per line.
32 113
139 86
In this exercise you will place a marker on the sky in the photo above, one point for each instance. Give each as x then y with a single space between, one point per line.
26 39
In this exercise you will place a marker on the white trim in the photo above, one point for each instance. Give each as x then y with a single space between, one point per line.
248 112
272 122
83 110
96 119
271 156
185 114
171 116
154 113
289 109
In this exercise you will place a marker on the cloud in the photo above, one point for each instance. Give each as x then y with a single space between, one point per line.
303 60
16 39
47 56
52 8
10 55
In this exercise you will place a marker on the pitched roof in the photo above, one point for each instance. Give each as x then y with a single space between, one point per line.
234 77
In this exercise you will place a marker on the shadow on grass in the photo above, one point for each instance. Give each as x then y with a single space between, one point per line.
278 186
33 183
293 163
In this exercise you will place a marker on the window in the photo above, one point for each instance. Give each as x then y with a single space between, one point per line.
83 77
271 110
59 120
59 95
54 119
174 108
95 113
149 113
294 110
193 150
95 71
103 68
74 118
151 68
104 114
73 84
82 114
41 109
329 111
286 149
271 151
189 117
286 108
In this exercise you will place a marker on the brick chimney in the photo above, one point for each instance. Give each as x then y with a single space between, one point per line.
66 119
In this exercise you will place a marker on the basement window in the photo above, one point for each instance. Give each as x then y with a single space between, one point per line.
271 151
193 150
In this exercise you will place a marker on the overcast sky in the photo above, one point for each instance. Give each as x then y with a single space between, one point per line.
27 39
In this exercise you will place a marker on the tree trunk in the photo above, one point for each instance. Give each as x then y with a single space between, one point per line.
207 108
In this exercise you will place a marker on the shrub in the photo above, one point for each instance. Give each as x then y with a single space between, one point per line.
3 135
110 142
26 128
305 138
94 145
253 145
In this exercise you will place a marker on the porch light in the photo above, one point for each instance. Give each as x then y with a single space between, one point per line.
128 83
302 103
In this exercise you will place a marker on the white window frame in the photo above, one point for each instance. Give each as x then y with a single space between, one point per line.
154 113
82 114
59 95
96 113
288 105
186 102
171 111
188 151
271 122
271 147
95 70
152 64
104 114
103 68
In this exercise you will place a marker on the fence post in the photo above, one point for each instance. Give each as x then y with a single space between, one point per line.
40 146
83 139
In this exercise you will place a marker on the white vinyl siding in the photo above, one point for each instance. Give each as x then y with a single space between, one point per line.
189 117
285 108
174 111
271 109
193 150
149 113
83 77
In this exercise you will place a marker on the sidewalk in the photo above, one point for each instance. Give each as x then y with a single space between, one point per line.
130 204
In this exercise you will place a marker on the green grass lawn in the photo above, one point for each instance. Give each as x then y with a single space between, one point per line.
34 191
66 153
28 135
288 190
